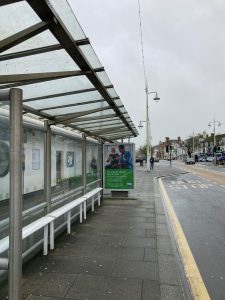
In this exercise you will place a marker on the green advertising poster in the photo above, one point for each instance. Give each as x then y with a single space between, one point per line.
119 166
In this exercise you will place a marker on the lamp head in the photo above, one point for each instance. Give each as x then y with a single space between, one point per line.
156 98
140 125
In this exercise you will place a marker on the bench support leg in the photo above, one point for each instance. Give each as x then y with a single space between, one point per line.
69 222
85 210
93 203
81 213
52 236
45 246
99 198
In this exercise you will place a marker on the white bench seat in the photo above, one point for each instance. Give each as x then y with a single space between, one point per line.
62 210
30 229
91 195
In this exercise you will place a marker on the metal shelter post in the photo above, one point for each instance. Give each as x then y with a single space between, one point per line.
84 162
100 157
15 235
47 165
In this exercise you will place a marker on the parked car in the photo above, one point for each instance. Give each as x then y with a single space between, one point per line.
137 159
221 160
190 161
209 158
202 158
156 159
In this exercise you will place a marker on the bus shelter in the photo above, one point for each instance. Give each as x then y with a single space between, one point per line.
55 92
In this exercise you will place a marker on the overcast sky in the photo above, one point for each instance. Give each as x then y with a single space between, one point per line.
184 46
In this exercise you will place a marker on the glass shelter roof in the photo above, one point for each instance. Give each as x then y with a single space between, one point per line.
44 51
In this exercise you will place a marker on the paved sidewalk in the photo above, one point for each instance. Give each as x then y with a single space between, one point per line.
123 251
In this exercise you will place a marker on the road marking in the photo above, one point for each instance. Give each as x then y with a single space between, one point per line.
186 184
197 286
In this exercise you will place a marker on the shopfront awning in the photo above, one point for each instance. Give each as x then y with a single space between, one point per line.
44 51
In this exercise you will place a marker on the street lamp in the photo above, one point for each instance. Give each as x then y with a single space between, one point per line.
148 127
214 130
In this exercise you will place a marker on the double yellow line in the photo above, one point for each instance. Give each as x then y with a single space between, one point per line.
194 278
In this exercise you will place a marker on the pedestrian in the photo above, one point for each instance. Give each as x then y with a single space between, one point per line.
152 162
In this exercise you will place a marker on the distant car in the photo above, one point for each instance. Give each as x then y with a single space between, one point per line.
156 159
202 158
221 159
190 161
209 158
137 159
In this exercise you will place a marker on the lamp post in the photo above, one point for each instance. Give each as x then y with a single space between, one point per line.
148 127
214 130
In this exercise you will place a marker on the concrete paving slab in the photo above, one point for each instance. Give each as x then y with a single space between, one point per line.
151 255
98 287
164 245
151 290
48 284
119 253
170 292
136 269
168 272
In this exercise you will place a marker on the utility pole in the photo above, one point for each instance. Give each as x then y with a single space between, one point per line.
193 140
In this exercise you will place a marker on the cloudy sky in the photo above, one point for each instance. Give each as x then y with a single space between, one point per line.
184 46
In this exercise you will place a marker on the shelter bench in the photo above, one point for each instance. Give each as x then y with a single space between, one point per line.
43 222
30 229
67 209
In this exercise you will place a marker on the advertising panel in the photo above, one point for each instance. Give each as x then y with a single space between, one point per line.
118 160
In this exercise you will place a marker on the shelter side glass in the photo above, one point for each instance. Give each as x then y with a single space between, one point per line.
4 169
66 174
93 165
34 205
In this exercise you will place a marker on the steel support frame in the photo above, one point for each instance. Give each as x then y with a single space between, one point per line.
100 157
84 163
15 235
47 165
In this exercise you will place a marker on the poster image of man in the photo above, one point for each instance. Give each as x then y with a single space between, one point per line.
119 157
125 161
112 161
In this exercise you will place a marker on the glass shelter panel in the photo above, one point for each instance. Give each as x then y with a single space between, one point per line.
66 14
66 174
60 62
34 205
4 171
93 164
57 86
18 17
